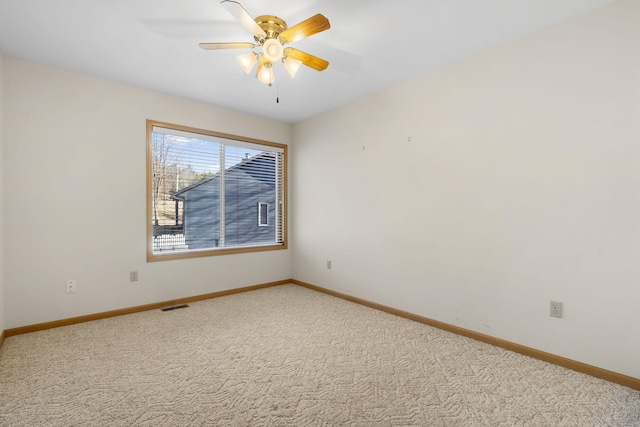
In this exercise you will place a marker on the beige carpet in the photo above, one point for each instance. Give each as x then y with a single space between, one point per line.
288 356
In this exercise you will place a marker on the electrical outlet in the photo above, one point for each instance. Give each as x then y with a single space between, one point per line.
72 286
329 264
133 276
555 309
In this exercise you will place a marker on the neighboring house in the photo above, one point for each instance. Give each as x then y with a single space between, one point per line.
249 200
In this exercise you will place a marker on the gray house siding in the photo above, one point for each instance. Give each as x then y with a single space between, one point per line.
201 215
246 185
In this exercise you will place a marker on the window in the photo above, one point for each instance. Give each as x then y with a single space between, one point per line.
202 191
263 214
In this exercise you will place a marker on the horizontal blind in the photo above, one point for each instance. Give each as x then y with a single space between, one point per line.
218 139
207 192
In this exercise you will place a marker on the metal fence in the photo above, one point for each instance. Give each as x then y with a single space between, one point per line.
166 242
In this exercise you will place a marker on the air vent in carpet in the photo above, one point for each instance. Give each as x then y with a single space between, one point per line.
174 307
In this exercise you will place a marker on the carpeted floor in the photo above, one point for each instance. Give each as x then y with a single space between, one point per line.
288 356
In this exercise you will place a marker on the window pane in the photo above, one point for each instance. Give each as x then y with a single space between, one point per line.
263 215
181 168
250 181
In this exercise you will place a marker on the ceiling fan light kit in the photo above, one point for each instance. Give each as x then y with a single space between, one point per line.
247 61
291 65
271 34
272 50
265 73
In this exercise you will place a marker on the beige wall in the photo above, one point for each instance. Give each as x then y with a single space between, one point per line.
472 195
2 303
476 194
75 158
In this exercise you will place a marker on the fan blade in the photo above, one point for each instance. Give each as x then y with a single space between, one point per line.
238 45
243 17
306 28
308 60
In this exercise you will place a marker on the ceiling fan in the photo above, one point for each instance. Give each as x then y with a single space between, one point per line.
271 34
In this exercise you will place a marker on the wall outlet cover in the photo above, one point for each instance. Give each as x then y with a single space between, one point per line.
555 309
72 286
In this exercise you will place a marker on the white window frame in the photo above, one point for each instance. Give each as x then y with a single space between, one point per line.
263 212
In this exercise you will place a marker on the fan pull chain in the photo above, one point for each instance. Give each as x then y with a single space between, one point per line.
277 94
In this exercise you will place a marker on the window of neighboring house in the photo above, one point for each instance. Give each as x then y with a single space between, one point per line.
202 192
263 214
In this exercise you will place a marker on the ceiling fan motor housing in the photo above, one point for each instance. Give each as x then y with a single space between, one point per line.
272 25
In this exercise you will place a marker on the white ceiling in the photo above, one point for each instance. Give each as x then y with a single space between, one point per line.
372 44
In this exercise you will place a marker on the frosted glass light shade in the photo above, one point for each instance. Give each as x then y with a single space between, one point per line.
292 66
265 74
272 50
247 61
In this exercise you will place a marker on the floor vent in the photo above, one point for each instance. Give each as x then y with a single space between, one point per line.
174 307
